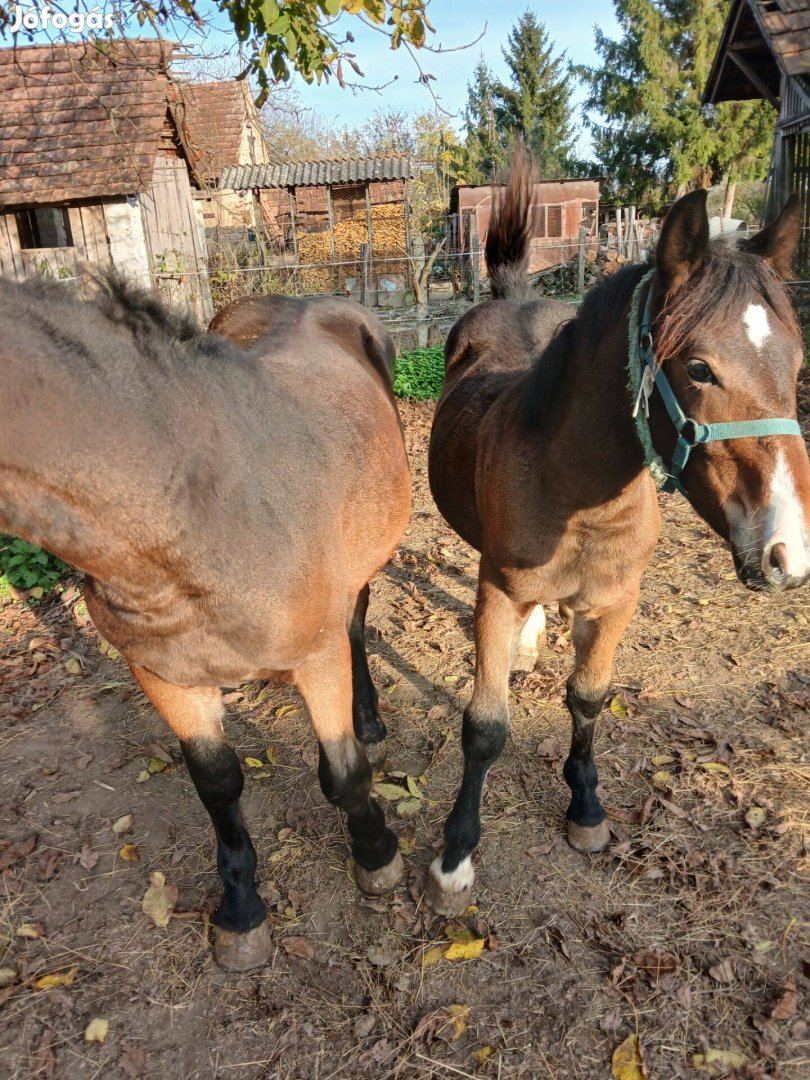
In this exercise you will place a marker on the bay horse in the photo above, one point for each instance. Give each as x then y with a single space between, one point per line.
228 507
536 460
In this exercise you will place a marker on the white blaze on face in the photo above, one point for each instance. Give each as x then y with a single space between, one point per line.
757 325
784 521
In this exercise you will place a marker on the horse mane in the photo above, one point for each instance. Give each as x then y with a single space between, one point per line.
160 333
728 275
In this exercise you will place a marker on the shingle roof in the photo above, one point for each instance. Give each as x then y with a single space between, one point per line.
316 173
788 32
80 121
213 117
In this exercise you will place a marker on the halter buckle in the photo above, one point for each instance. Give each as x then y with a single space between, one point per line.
693 433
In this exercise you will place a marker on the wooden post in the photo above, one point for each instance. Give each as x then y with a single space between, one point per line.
407 211
632 239
294 236
619 232
583 234
364 274
476 258
331 212
370 253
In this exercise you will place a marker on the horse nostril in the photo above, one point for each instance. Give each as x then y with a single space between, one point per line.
778 558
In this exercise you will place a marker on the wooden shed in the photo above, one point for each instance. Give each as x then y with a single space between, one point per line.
221 128
560 209
764 52
93 169
343 224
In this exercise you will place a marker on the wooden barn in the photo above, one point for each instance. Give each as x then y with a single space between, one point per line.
560 209
94 173
343 224
764 52
221 128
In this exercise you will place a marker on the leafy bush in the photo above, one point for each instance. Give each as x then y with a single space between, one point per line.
419 374
25 566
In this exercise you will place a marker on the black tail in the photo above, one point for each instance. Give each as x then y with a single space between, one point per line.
510 229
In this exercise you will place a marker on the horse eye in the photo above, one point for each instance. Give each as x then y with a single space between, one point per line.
700 372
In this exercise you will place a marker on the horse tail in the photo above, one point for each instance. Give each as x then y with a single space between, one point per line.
509 233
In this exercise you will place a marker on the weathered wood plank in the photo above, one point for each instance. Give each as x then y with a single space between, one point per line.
11 264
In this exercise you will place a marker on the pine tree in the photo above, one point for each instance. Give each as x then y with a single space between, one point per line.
485 147
536 107
656 140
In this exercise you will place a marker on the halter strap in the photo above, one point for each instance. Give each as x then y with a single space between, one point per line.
647 374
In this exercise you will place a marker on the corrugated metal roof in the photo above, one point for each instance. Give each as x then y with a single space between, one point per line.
317 173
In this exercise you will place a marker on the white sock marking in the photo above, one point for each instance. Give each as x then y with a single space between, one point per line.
457 880
532 629
757 325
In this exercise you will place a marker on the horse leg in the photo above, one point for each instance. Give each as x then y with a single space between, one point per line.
368 727
242 936
483 736
325 681
595 639
526 651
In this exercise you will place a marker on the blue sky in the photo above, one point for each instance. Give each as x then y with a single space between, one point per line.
570 26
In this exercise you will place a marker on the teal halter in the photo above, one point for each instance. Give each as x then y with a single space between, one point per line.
647 374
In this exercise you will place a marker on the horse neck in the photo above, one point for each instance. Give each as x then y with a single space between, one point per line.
595 433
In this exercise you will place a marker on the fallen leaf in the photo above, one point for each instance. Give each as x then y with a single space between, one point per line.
627 1063
723 972
483 1054
408 807
465 950
407 844
449 1022
29 930
662 777
286 710
715 767
7 976
156 765
656 963
390 792
143 776
59 978
725 1060
254 763
413 787
73 666
618 708
270 754
129 853
159 899
785 1007
432 956
122 825
96 1030
350 871
300 947
755 817
662 759
437 713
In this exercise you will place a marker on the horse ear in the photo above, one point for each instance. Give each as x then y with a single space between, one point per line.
778 241
683 243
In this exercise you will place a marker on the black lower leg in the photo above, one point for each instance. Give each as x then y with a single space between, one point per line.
482 741
217 775
368 727
580 769
345 777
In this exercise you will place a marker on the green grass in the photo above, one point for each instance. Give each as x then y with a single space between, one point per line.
419 374
25 566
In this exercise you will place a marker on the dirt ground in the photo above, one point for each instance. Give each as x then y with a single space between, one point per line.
692 932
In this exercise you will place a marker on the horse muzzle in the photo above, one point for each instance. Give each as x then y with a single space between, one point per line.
774 573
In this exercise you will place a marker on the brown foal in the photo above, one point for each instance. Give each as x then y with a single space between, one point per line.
228 507
535 460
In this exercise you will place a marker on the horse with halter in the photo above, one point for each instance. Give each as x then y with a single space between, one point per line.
551 435
228 507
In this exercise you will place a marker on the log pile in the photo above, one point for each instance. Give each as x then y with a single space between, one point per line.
387 240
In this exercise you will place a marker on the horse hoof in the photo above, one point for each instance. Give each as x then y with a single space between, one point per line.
589 839
241 952
379 882
525 661
449 894
375 752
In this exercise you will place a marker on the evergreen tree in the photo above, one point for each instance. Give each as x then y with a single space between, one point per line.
485 147
656 140
536 107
